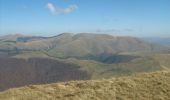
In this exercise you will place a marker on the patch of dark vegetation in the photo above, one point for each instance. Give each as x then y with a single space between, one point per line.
15 51
19 72
11 51
117 59
28 39
108 58
9 41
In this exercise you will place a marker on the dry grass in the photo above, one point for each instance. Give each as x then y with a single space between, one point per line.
152 86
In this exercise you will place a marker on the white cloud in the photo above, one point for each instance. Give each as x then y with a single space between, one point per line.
51 8
58 11
70 9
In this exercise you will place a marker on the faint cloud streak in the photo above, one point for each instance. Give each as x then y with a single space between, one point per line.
114 30
58 11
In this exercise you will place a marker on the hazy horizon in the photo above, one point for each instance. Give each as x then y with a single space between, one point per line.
139 18
56 34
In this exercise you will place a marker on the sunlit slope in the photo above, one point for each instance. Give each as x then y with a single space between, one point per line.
151 86
84 45
163 59
99 70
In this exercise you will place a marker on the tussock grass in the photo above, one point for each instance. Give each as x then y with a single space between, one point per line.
152 86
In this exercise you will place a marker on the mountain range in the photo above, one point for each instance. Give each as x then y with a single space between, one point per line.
26 60
81 45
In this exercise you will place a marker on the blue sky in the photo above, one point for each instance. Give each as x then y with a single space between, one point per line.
117 17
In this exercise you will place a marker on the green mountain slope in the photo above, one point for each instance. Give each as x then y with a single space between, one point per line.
83 45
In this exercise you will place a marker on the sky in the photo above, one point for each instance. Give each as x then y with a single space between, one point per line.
142 18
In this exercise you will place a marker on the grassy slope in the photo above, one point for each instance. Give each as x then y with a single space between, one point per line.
147 63
79 45
152 86
164 60
100 70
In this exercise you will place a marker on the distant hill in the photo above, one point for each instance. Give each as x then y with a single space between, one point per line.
163 41
20 38
81 46
151 86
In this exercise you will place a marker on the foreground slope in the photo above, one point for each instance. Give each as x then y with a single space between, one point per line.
151 86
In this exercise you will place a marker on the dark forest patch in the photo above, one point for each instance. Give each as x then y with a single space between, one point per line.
108 58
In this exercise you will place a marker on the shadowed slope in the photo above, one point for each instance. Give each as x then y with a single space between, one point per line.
19 72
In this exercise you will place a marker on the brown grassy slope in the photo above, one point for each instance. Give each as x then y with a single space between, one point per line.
153 86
